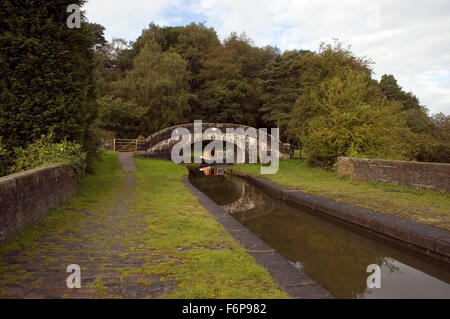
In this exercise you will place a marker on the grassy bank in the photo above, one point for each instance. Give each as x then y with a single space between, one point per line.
423 206
141 234
92 192
200 255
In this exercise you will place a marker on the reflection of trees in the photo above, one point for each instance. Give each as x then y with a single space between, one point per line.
220 189
251 205
333 260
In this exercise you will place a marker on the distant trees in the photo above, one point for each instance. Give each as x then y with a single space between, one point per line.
324 102
158 81
341 110
46 74
281 87
430 141
120 116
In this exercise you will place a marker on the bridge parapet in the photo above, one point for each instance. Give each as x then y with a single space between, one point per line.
160 144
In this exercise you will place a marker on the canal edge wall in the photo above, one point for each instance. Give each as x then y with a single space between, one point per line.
27 196
426 240
433 176
290 279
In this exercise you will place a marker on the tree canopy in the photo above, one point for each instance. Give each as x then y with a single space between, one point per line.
47 81
61 80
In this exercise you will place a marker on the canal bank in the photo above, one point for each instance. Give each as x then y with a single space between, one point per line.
134 234
289 278
331 253
429 241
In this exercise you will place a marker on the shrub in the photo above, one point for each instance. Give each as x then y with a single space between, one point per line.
4 158
45 151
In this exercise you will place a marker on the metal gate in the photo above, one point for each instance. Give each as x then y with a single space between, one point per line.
125 145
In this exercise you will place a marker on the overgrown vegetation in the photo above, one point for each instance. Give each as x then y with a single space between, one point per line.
47 80
325 102
45 151
423 206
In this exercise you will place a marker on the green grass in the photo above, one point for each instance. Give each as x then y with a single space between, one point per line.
92 192
165 233
203 259
423 206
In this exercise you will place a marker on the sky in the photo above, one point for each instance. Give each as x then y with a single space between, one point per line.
407 38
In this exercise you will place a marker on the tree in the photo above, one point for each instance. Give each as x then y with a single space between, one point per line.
442 135
230 89
280 90
393 92
159 82
112 61
46 73
122 117
341 110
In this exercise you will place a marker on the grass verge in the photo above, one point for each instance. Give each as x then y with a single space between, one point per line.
142 236
203 259
423 206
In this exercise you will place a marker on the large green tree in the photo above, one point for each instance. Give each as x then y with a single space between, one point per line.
280 89
46 72
341 110
159 82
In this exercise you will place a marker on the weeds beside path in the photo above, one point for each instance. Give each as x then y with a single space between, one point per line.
422 206
135 234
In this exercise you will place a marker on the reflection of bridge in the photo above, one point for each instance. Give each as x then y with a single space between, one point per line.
160 143
248 206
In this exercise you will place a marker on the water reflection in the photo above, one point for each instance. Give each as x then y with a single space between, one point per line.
213 170
334 257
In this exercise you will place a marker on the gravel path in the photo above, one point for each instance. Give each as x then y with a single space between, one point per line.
126 160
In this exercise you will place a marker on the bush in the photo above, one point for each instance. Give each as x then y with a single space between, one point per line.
45 151
4 158
92 144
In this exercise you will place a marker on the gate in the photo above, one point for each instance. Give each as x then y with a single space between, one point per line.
125 145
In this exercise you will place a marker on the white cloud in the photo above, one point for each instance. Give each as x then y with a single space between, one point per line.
412 40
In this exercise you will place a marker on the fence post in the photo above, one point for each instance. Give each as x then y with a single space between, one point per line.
114 142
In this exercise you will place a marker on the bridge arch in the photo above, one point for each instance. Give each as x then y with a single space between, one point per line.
159 144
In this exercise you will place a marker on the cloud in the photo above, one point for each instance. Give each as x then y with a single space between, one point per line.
409 39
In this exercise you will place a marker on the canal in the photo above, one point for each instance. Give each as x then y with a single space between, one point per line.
333 255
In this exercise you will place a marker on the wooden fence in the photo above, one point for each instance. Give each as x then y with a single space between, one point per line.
125 145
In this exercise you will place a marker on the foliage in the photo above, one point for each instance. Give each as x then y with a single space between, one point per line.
393 91
429 143
442 135
341 110
92 145
46 73
4 155
45 151
281 88
325 102
122 117
158 82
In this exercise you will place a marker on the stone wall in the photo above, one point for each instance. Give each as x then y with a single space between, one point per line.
423 239
27 196
434 176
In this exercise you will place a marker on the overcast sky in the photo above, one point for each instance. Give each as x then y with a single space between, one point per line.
407 38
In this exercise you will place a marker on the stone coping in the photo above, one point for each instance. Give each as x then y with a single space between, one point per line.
427 240
289 278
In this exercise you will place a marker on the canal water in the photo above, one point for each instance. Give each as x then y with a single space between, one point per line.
333 255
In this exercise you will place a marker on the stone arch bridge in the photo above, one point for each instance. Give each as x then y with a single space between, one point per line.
160 144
